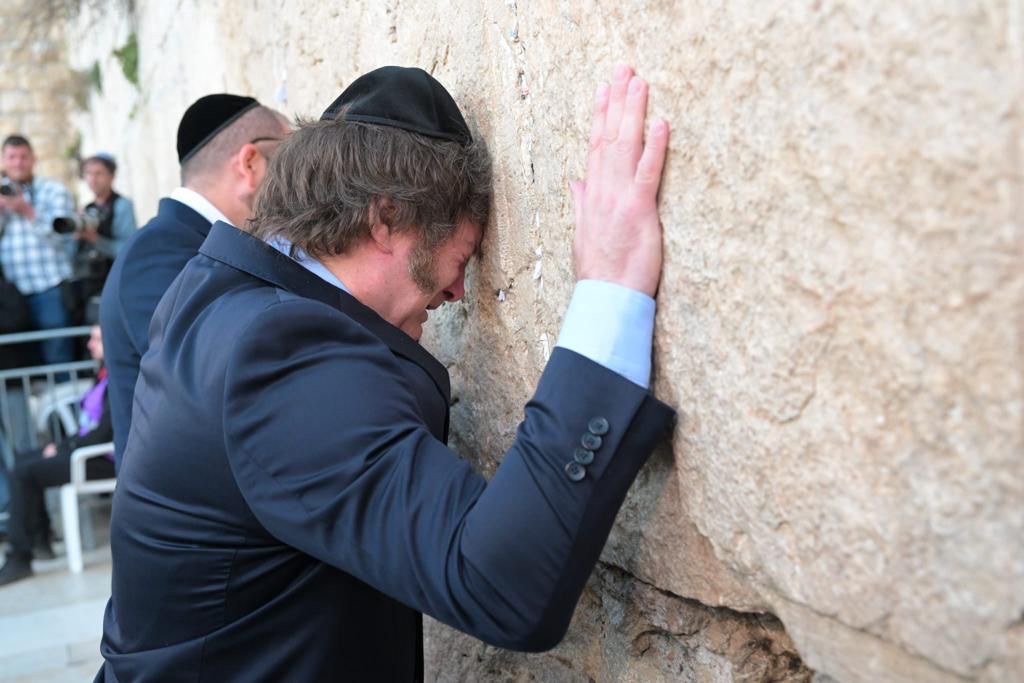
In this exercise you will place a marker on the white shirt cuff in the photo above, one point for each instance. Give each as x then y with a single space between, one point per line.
613 326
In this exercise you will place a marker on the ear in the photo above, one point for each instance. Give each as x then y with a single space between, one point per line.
249 164
380 217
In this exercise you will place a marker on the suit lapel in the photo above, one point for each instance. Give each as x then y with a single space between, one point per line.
244 252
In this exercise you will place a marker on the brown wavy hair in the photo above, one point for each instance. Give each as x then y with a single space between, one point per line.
329 179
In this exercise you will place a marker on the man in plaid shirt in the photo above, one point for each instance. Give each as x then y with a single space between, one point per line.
34 257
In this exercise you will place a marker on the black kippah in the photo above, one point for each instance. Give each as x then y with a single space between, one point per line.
402 97
205 118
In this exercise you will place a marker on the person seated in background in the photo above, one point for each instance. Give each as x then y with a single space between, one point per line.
100 230
36 470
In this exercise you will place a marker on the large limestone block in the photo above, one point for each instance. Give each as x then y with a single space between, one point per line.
839 320
839 323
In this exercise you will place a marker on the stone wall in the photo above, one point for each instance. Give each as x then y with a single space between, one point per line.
39 90
839 323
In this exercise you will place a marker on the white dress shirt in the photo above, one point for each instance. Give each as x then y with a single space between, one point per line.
199 204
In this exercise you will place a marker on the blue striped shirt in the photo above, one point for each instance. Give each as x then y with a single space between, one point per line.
32 255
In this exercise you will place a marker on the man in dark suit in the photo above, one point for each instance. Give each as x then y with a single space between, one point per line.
224 142
287 507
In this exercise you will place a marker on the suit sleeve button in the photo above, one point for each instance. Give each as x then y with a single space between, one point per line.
591 441
598 426
583 456
575 471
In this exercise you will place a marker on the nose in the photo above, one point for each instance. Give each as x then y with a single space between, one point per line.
457 289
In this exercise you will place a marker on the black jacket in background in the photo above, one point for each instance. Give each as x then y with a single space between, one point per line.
14 317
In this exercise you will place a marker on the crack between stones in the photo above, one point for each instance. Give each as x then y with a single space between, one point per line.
757 615
675 596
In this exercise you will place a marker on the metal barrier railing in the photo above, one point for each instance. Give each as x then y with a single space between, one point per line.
40 402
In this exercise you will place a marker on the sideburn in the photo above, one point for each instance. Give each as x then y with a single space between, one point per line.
421 267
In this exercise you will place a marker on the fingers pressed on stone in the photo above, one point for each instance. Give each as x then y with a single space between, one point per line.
617 100
652 161
632 128
630 142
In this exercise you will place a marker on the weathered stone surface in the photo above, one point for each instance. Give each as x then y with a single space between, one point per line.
626 630
840 318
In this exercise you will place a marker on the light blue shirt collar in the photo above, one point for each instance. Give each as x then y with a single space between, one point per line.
610 324
307 262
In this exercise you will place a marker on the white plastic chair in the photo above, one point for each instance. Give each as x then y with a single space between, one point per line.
70 492
60 399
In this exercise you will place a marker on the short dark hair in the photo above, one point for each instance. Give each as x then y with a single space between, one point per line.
16 140
325 179
106 161
258 122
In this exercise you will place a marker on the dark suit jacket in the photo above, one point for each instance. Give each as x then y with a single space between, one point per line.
142 272
287 506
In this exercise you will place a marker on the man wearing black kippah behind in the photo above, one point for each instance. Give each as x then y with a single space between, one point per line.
287 507
224 144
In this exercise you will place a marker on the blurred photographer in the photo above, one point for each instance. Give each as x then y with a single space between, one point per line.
100 230
114 213
33 256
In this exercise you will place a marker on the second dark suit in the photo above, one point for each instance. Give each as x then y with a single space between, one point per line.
142 272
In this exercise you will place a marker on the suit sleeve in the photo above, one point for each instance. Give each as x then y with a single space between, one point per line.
144 278
328 449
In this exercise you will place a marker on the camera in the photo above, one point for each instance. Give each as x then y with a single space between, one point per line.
9 188
89 219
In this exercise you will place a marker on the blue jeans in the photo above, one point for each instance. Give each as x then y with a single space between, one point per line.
48 313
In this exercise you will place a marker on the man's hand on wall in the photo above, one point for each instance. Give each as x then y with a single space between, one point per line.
618 233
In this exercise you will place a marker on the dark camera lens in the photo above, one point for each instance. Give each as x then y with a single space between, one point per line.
7 190
64 225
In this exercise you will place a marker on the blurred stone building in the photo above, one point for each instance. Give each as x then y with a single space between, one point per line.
38 89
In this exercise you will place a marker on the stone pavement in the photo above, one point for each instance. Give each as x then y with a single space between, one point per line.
50 624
